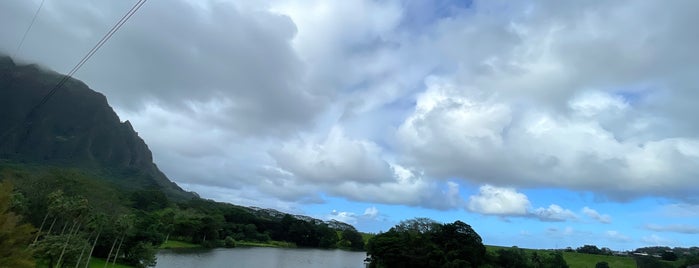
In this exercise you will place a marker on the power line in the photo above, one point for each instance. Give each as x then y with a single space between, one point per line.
89 55
21 42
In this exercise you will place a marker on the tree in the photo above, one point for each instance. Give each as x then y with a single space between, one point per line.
512 258
589 249
669 256
76 208
14 235
353 238
556 260
149 200
328 237
419 225
459 242
141 255
425 243
51 248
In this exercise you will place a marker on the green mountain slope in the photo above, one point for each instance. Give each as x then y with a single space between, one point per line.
75 128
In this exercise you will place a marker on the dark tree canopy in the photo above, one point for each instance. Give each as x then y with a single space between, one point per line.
15 235
425 243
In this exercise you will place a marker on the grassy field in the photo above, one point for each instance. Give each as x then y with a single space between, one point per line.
170 244
99 263
580 260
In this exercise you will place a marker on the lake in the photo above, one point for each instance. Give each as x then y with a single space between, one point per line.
260 257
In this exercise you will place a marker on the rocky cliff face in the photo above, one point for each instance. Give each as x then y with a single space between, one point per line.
75 127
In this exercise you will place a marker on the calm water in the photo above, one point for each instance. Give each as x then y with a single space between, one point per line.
260 257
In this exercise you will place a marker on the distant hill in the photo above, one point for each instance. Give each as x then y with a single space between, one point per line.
75 128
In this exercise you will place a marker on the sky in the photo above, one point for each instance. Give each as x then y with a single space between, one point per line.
542 124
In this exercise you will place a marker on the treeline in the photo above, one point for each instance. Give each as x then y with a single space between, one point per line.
591 249
77 216
422 242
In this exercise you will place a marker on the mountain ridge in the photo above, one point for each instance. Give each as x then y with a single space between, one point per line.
76 127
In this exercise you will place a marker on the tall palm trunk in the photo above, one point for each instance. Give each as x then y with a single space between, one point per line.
51 227
118 248
65 245
110 253
40 228
64 228
82 252
87 264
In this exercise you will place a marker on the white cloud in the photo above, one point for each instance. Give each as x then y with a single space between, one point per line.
334 160
656 240
406 188
603 218
498 201
616 236
553 213
675 228
371 212
343 216
680 210
508 202
289 99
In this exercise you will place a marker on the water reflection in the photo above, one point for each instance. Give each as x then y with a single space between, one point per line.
260 257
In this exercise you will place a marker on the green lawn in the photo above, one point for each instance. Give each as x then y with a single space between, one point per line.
580 260
99 263
178 244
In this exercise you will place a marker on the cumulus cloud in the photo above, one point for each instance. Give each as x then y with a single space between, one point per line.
367 100
508 202
522 101
335 159
603 218
371 212
680 210
656 240
370 216
452 135
498 201
343 216
406 188
616 236
675 228
553 213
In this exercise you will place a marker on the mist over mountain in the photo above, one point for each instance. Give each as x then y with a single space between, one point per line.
76 127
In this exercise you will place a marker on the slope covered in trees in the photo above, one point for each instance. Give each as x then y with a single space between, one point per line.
78 216
74 128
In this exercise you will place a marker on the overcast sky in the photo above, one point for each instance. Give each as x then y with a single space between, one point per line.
540 123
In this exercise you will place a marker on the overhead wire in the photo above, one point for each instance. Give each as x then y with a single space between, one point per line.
89 55
26 32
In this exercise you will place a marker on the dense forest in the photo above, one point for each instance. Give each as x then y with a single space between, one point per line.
65 216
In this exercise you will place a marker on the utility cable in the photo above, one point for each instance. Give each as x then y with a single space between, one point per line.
89 54
21 42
